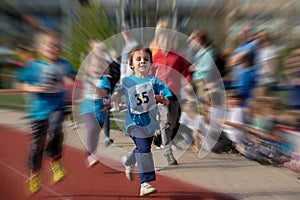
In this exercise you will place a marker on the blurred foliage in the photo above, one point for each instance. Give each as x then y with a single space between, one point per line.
90 22
286 51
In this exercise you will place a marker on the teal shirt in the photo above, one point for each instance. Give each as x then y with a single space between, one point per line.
138 97
92 103
38 73
204 63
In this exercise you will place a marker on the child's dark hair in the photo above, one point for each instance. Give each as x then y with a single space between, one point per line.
137 48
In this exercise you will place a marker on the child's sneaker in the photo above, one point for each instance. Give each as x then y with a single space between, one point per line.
35 183
92 160
108 141
171 159
129 170
58 171
146 189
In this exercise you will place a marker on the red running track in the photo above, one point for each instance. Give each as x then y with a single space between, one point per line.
99 182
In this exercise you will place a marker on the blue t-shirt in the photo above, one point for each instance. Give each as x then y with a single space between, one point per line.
68 69
246 82
142 110
39 73
204 61
251 47
92 102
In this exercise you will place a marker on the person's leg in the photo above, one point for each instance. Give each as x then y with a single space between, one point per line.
56 136
165 132
163 122
55 143
145 164
129 162
92 137
93 130
39 133
106 129
173 116
144 158
130 159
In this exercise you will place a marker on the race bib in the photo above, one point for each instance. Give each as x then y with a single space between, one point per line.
141 98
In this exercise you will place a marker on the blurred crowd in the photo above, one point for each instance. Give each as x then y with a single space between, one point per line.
262 91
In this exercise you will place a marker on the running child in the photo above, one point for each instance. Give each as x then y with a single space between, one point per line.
96 92
142 92
42 78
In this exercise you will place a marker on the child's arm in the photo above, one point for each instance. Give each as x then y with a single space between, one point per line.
35 89
115 96
235 125
262 134
236 59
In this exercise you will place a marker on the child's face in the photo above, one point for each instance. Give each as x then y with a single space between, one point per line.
141 63
96 68
48 47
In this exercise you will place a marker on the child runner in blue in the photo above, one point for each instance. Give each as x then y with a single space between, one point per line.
142 92
43 80
96 92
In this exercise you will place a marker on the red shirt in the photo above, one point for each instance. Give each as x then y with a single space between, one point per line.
170 68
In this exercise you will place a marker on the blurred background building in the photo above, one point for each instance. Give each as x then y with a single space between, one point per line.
222 18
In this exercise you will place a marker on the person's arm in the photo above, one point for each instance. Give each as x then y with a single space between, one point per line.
35 89
162 92
114 98
263 135
236 59
235 125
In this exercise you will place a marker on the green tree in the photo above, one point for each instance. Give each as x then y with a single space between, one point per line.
90 22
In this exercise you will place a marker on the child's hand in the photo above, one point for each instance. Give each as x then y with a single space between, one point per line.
160 99
106 106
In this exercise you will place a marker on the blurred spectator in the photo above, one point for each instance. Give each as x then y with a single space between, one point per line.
246 78
130 43
267 64
192 125
162 24
220 59
203 63
112 73
292 80
247 45
95 95
125 69
234 122
170 67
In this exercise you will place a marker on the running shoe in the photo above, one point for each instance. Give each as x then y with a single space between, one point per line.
129 170
92 160
35 183
147 189
58 171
